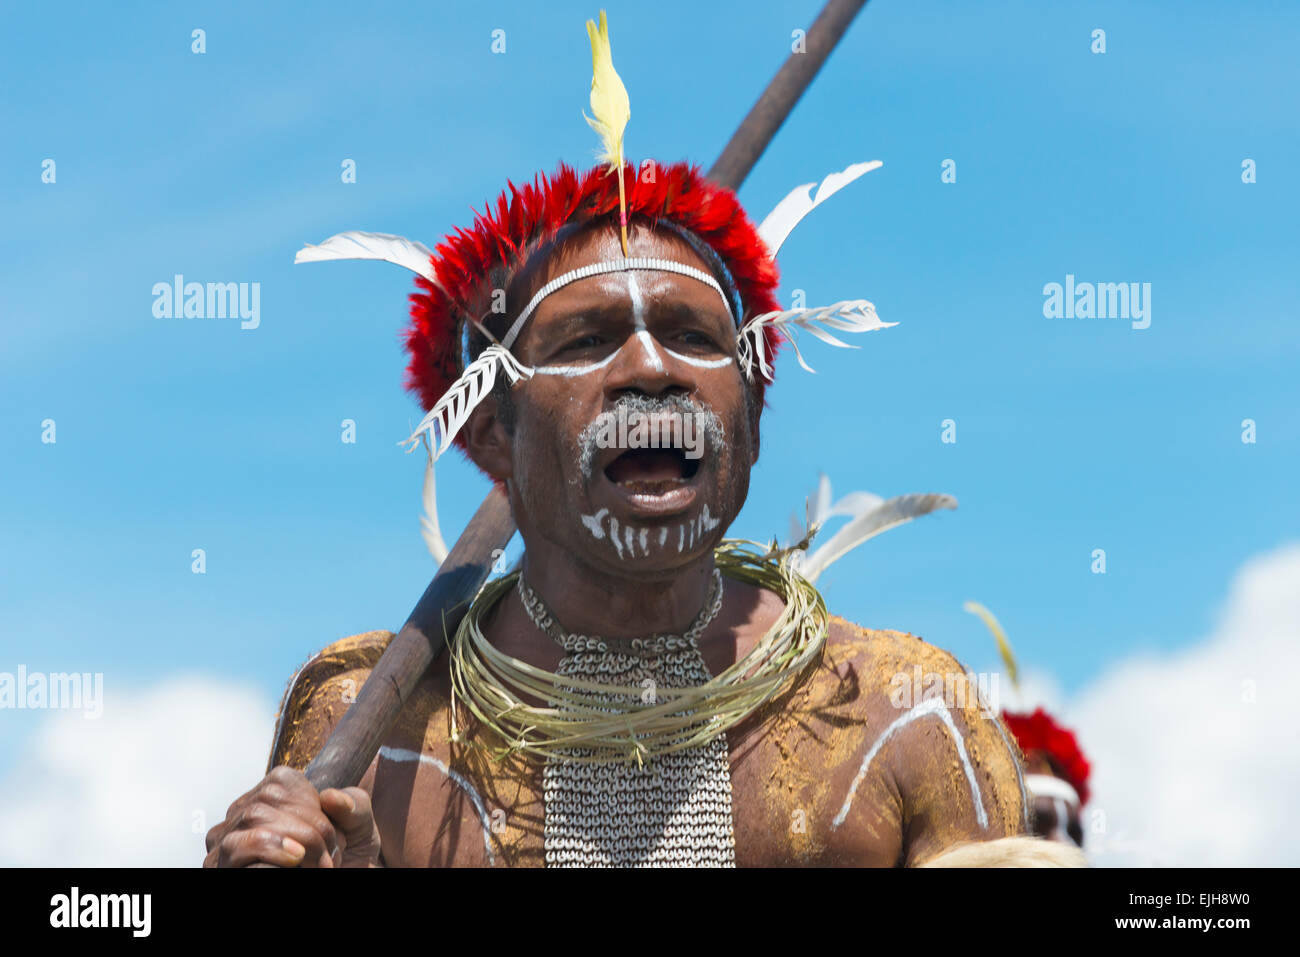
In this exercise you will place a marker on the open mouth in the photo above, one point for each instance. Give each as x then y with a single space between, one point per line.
652 471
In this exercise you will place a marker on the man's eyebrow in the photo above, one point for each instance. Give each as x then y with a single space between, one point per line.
588 308
677 309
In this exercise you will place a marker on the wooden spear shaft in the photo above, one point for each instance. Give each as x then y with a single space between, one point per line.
356 740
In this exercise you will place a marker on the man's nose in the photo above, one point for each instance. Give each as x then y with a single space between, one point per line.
643 365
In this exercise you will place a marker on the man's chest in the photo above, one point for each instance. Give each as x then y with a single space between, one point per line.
459 805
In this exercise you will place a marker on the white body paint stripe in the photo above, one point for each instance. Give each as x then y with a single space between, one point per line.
929 706
401 755
1020 776
1019 773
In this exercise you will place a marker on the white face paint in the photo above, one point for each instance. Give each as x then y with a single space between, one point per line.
707 522
570 371
613 536
638 321
699 363
629 539
648 344
646 340
593 523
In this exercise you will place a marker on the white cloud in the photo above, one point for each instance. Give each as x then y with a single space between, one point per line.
141 784
1195 753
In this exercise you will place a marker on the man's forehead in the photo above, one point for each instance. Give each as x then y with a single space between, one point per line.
640 289
622 289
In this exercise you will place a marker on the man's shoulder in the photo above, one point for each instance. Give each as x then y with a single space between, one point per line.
318 694
879 656
872 679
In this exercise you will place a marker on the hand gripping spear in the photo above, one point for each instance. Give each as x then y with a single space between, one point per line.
355 741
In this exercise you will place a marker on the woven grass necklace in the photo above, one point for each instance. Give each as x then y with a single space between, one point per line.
492 685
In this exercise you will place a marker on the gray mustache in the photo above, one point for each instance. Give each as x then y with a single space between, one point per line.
706 427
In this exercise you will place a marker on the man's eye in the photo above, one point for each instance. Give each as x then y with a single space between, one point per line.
697 339
585 342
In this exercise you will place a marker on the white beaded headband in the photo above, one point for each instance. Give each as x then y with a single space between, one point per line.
613 265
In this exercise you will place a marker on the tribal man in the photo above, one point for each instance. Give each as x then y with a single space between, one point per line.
638 692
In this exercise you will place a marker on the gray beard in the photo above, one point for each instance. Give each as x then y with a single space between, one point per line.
707 422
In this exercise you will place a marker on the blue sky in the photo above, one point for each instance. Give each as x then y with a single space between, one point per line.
1072 435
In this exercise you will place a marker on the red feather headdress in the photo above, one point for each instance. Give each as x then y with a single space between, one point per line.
1039 732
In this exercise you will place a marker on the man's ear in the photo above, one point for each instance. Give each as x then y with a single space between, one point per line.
487 440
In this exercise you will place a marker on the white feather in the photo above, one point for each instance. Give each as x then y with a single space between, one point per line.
820 510
821 501
851 315
398 250
886 515
429 528
450 413
854 504
781 221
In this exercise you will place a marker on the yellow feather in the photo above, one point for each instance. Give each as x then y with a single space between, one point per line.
609 102
1004 647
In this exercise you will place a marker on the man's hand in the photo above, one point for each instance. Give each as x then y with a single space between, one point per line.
284 822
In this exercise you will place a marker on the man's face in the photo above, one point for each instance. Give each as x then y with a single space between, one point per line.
626 361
